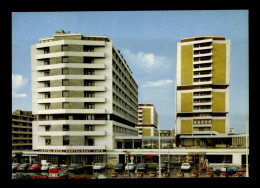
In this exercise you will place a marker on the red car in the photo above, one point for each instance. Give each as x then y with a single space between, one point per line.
35 167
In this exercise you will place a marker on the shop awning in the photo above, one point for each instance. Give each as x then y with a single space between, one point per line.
132 155
149 155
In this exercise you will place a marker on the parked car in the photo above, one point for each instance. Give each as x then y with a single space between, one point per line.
99 166
15 166
18 176
45 166
23 167
141 167
163 167
225 168
76 167
101 176
130 166
63 166
35 167
119 167
185 167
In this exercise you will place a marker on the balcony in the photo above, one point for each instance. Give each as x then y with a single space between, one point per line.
202 54
72 65
71 133
75 88
202 103
70 53
50 147
202 75
74 42
76 111
70 99
74 122
79 77
202 125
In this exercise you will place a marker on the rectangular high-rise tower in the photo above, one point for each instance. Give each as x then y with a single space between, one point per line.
202 93
84 94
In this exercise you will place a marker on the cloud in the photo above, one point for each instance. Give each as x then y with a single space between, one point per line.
18 95
158 83
18 82
146 60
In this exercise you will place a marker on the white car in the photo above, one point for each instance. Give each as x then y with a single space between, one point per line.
185 166
131 166
45 166
99 166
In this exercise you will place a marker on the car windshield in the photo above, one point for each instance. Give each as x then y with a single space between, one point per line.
185 164
141 164
98 164
130 164
119 164
23 165
73 165
35 165
14 164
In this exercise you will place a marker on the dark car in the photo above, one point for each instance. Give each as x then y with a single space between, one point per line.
76 167
18 176
23 167
141 167
119 167
163 167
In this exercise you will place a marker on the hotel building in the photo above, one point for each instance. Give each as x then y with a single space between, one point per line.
84 94
147 120
202 93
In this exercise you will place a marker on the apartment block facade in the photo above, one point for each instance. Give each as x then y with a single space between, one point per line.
84 94
147 120
202 89
22 130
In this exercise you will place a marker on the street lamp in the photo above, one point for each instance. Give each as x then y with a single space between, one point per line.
127 153
159 151
247 172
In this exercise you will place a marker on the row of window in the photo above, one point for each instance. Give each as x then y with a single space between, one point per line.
122 111
70 117
202 121
120 67
124 130
65 82
123 103
125 97
66 105
202 107
120 73
66 141
66 127
202 79
124 87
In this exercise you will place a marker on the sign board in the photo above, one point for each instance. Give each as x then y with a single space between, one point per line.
197 153
74 150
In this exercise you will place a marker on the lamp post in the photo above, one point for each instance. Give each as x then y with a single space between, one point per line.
247 173
159 152
127 153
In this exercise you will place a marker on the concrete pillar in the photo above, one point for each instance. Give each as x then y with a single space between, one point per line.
237 158
30 159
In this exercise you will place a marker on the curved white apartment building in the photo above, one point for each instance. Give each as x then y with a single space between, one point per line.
84 94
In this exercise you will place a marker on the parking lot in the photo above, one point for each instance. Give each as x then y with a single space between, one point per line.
174 172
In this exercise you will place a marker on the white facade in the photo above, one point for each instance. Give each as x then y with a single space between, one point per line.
114 94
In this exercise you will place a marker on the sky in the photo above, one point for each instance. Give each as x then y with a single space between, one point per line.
148 41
